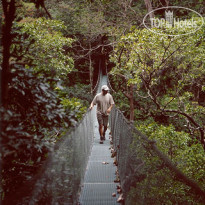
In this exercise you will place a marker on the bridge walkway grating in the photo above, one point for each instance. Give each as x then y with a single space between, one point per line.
99 184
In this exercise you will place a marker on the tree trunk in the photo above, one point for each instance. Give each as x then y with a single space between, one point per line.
149 8
90 69
9 16
167 2
9 10
131 99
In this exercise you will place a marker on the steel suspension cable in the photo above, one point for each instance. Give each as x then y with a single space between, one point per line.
133 163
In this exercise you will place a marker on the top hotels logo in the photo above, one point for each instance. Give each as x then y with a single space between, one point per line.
173 21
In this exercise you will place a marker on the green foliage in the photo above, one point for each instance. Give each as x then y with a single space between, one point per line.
43 46
120 100
178 146
33 109
168 77
74 105
36 104
158 183
196 5
94 18
169 72
75 90
38 98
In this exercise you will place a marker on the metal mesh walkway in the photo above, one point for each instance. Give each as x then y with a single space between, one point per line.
99 178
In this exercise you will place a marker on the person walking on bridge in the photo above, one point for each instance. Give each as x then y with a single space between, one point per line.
104 102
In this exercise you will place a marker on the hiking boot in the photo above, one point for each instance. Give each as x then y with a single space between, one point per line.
101 139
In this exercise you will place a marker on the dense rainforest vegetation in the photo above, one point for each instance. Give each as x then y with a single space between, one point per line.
50 55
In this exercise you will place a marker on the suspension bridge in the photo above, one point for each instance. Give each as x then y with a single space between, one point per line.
99 186
81 171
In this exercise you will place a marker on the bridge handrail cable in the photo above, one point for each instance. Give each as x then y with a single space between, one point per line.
131 161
